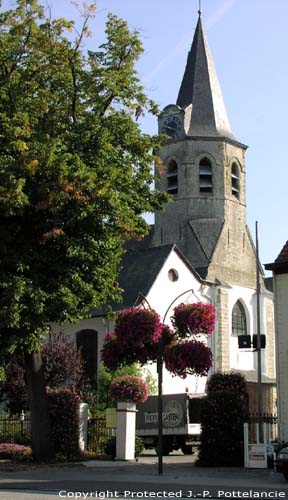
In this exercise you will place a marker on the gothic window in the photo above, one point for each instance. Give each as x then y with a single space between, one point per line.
235 183
205 176
239 324
87 344
172 177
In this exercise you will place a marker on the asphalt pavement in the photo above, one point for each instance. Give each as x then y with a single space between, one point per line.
134 480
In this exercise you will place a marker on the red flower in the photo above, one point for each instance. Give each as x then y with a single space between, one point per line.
194 319
129 388
188 358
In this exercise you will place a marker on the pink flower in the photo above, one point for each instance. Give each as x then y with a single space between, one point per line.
188 358
194 319
129 388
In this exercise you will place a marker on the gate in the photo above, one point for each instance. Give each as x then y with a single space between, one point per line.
99 435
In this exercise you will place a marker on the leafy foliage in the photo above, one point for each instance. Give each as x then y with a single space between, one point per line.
65 421
75 169
63 367
222 411
101 398
224 408
75 177
232 382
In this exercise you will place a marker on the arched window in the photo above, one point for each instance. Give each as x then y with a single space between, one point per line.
239 323
235 182
87 343
205 176
172 177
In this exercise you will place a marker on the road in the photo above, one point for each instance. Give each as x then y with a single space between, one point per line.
181 479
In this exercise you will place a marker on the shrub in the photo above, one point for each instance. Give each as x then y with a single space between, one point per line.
129 388
14 451
224 408
65 421
63 367
110 448
222 420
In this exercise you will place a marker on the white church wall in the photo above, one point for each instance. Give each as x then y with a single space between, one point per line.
241 359
160 296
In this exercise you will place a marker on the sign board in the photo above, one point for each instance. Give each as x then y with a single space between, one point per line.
255 454
174 412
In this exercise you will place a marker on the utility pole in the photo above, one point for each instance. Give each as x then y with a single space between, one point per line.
259 361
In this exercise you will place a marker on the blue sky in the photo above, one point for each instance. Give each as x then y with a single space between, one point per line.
249 41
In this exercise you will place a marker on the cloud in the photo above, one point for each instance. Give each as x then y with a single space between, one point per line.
213 19
217 15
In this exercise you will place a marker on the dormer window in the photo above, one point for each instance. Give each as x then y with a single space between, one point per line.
172 177
235 181
205 176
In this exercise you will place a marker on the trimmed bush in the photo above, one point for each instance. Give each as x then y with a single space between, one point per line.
64 407
233 382
222 422
222 418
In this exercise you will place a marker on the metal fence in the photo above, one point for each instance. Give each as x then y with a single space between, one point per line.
15 430
100 438
271 422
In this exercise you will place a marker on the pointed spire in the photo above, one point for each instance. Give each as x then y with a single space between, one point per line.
200 89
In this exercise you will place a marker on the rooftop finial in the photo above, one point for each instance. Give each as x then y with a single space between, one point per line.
200 10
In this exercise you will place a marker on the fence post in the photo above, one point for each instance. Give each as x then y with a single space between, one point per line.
22 419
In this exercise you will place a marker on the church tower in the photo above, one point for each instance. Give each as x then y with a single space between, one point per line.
204 171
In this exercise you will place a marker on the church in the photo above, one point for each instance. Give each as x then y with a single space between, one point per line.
200 248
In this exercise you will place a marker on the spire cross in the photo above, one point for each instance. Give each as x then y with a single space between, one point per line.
200 10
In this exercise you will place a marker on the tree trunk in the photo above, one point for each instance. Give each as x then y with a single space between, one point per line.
42 442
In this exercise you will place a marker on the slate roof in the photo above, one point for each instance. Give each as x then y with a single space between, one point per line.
283 255
140 268
269 284
201 89
280 265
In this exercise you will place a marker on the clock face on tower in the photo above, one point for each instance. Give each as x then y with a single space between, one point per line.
172 126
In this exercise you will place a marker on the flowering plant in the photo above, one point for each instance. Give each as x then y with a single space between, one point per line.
129 388
188 358
12 451
136 327
139 331
194 319
136 338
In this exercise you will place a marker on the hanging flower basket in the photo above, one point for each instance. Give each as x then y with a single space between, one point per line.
188 358
114 355
194 319
152 350
129 388
136 327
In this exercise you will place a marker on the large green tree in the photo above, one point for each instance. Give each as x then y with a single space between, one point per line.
75 177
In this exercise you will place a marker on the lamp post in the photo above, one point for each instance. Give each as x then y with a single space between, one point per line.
259 360
160 380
